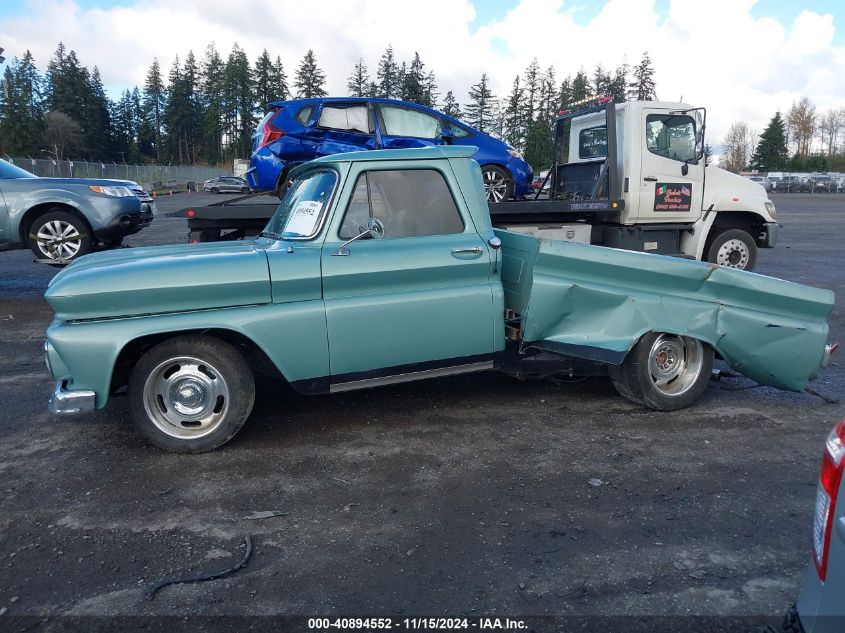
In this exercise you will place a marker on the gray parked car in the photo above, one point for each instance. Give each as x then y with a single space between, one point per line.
767 184
226 184
821 603
61 219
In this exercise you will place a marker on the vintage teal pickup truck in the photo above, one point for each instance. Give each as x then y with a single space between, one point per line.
382 267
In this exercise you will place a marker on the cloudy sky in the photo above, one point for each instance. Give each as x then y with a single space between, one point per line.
742 59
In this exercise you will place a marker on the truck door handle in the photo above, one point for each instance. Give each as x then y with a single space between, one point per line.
467 253
650 179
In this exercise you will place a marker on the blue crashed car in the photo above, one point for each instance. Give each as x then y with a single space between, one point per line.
297 131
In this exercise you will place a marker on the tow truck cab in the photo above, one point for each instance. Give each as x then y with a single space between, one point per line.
640 168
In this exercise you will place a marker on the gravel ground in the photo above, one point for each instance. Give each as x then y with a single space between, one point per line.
471 495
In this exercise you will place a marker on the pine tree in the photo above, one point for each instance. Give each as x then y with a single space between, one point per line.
387 75
400 81
238 103
642 88
263 76
514 116
481 108
211 83
280 81
359 79
22 111
619 84
310 80
154 102
451 107
772 153
143 144
98 126
565 93
430 92
414 82
601 81
531 89
580 86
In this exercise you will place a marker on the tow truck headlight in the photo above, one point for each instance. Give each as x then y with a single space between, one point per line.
770 207
118 191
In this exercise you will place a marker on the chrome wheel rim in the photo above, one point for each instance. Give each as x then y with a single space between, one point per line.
675 363
495 185
186 397
733 254
58 240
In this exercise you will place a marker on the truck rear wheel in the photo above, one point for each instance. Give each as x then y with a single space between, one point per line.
191 394
733 248
663 371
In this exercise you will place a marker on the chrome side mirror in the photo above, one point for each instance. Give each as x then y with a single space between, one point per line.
375 229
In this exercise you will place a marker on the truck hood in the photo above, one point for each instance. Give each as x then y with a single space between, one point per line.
161 279
728 192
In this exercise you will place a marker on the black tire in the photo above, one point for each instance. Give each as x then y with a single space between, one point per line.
215 190
733 248
638 379
210 367
244 190
498 183
59 235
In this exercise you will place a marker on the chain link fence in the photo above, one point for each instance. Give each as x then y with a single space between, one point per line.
149 176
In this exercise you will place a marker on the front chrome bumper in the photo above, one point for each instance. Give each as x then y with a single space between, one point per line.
64 401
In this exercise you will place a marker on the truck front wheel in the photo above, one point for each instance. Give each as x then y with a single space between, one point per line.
191 394
733 248
665 372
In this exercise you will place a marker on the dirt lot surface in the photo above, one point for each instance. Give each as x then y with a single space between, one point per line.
470 495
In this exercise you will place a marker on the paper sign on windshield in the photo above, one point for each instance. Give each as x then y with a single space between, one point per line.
303 218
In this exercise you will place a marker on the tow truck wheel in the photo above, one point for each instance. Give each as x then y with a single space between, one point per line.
191 394
734 248
498 184
663 371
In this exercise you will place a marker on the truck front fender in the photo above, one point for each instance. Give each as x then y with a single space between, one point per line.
291 335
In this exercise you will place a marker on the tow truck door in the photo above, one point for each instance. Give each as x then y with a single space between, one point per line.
668 141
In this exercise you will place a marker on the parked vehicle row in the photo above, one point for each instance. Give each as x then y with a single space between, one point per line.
295 132
60 219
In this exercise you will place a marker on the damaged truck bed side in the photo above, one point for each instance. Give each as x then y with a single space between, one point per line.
384 266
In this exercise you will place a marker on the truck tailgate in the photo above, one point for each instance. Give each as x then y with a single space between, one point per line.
595 302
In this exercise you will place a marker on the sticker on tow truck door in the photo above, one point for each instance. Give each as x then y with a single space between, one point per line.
672 196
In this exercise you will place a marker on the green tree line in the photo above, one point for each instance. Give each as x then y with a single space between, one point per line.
204 110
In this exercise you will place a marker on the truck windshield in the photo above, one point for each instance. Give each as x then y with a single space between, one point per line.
300 212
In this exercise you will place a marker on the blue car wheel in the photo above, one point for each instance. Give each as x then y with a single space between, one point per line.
498 183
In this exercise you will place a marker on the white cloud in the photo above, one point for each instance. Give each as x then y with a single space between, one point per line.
714 54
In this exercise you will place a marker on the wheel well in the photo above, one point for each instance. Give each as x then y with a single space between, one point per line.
747 221
255 357
502 167
45 207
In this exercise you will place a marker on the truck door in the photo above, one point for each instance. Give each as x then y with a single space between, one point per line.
403 126
341 127
668 142
419 301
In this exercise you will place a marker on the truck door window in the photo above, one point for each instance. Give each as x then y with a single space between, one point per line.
407 122
349 118
410 203
671 136
592 142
